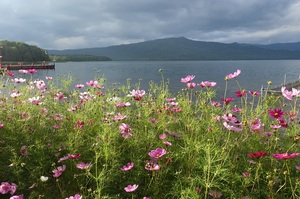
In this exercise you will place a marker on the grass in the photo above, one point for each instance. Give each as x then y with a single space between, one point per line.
56 142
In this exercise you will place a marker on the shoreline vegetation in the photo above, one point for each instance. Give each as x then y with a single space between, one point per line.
121 141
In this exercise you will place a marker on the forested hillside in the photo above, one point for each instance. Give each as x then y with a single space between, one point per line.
184 49
21 52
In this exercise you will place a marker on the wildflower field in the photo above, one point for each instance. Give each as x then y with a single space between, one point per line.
94 141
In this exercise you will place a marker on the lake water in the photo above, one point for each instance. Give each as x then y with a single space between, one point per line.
254 75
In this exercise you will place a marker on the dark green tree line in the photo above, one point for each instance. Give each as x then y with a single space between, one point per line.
21 52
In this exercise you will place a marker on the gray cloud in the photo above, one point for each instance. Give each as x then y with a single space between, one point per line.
56 24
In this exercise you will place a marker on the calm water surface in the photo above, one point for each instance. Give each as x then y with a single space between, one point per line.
254 75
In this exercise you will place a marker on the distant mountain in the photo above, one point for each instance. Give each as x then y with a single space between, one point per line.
282 46
185 49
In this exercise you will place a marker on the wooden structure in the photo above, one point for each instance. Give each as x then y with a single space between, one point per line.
29 66
288 86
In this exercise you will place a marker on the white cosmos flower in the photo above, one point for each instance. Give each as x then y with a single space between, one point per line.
44 178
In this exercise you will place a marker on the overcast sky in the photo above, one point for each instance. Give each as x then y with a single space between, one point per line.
70 24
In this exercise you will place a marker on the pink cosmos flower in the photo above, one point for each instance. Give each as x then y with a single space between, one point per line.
152 166
17 197
256 125
13 188
298 167
119 117
207 84
1 125
157 153
276 113
187 79
84 166
122 104
167 143
19 80
275 126
254 93
228 117
23 71
191 85
284 156
216 104
49 78
215 194
171 99
40 84
128 166
79 86
94 84
137 94
162 136
233 75
59 96
232 127
15 94
131 188
56 126
58 171
35 100
125 130
236 109
76 196
287 94
296 92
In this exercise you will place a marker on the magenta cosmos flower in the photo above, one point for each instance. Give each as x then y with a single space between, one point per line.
127 167
227 100
157 153
188 79
32 71
276 113
137 94
284 156
257 154
240 93
233 75
131 188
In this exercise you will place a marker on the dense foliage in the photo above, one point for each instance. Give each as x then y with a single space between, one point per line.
78 57
22 52
99 141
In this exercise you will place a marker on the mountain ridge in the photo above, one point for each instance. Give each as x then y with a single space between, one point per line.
181 48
